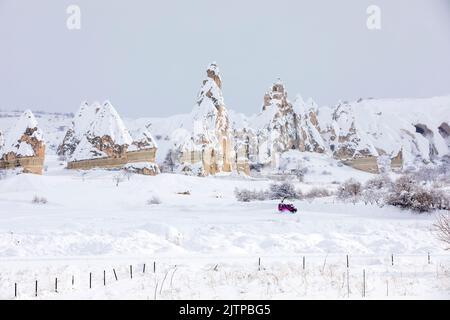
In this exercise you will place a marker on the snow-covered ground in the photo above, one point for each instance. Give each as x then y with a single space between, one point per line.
89 225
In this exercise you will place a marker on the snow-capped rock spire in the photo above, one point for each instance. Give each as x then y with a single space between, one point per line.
212 87
210 136
105 136
80 124
24 139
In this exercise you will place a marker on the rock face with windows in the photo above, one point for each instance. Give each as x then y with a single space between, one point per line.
209 147
24 146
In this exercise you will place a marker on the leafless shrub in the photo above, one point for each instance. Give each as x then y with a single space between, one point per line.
407 194
379 182
245 195
440 172
275 192
300 174
128 174
39 200
375 190
443 229
117 179
317 193
283 190
350 189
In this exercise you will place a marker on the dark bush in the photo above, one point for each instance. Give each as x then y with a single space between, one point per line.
283 190
406 193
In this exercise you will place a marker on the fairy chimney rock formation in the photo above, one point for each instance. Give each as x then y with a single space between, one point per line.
24 145
99 139
209 148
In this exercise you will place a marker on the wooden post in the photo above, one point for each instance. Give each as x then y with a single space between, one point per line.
131 271
56 285
259 264
115 275
154 266
392 259
73 280
347 263
143 268
15 290
364 283
90 280
303 262
36 289
104 277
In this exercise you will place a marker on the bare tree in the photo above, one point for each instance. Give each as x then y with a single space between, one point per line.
443 229
128 173
118 178
170 160
83 175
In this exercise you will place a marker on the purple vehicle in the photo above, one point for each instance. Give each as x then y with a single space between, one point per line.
286 207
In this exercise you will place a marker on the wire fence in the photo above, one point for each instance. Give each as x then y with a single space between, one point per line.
349 276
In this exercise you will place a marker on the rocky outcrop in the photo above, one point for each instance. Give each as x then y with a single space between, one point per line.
406 131
346 141
24 146
80 124
209 147
99 139
105 136
282 126
308 128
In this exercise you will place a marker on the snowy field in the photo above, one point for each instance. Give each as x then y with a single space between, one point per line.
205 243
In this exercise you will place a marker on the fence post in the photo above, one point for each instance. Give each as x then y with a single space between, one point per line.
429 258
364 283
115 275
131 271
348 278
90 280
392 259
15 290
143 268
154 266
56 285
303 262
36 289
104 277
259 264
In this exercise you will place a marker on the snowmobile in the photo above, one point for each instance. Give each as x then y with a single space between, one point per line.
286 207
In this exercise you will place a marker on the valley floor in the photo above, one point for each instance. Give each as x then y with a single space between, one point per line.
206 244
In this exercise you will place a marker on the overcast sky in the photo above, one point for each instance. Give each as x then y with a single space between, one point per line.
149 57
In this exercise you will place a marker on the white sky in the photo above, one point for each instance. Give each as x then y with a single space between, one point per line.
149 57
